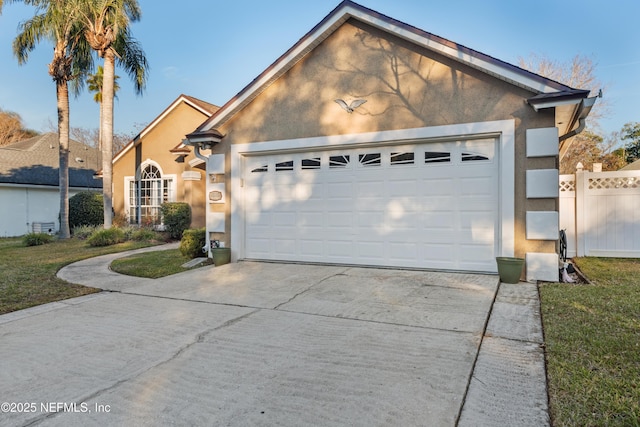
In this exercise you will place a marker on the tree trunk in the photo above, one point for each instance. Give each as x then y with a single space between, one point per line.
106 127
62 92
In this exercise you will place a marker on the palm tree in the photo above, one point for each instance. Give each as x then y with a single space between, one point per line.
57 21
94 83
108 33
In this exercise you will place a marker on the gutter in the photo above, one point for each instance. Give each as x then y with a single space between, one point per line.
582 112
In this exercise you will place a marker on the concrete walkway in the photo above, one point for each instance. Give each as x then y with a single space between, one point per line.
277 344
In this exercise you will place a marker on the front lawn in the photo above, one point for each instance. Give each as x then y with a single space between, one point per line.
592 335
152 264
28 273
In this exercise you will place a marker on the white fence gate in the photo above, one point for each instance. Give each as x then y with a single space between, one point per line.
600 212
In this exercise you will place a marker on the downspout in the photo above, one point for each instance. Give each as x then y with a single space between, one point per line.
583 111
198 154
205 159
581 125
204 139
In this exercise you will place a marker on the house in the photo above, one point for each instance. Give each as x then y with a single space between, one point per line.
633 166
29 177
155 167
372 142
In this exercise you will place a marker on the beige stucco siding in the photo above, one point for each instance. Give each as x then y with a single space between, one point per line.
155 145
405 87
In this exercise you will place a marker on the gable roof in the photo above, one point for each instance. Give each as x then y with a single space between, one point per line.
35 161
204 107
543 87
634 166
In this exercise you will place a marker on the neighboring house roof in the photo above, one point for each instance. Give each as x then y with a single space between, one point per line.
203 106
632 166
35 161
549 93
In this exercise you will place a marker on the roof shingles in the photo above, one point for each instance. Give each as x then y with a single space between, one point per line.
35 161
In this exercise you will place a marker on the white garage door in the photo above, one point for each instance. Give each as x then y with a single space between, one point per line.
430 205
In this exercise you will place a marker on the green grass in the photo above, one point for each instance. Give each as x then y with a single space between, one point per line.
152 264
29 272
592 335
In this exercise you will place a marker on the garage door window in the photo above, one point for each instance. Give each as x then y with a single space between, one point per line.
437 157
473 157
402 158
373 159
284 166
338 162
313 163
264 168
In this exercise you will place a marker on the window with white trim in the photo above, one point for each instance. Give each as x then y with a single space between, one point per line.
147 194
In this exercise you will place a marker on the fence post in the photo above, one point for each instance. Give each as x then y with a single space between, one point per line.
580 212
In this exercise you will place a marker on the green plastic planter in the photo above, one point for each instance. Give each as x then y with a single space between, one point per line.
510 269
221 256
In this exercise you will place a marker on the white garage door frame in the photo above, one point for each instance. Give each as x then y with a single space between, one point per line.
502 130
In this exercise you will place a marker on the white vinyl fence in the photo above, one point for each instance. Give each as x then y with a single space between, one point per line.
600 212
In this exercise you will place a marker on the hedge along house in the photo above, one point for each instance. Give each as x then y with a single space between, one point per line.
155 167
371 142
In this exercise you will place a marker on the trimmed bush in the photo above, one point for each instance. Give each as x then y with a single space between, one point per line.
176 218
86 208
107 237
192 242
36 239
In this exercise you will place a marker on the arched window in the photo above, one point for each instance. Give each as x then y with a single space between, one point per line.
147 194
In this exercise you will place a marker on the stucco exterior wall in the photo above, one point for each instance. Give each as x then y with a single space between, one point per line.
405 87
155 145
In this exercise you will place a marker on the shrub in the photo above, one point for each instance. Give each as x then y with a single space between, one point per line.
192 242
86 208
107 237
176 218
144 234
36 239
83 232
129 231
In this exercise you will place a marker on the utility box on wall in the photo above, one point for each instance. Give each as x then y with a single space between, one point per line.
216 182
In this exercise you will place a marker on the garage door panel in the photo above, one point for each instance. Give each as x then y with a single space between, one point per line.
434 221
478 187
285 248
284 218
340 250
441 253
434 208
340 220
437 187
371 250
311 220
311 248
402 188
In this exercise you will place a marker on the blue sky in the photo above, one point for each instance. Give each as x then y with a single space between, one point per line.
212 49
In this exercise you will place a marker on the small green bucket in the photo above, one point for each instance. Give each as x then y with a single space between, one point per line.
510 269
221 256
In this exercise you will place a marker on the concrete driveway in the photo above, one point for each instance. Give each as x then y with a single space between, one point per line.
277 344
